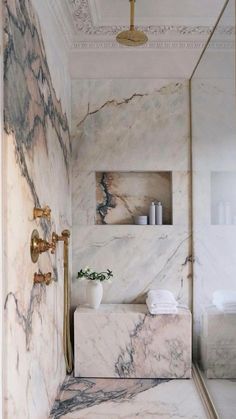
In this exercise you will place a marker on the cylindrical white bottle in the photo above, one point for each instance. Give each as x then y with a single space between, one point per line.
152 214
220 213
228 213
159 213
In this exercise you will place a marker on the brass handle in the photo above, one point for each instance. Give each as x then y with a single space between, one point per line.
43 278
38 246
42 213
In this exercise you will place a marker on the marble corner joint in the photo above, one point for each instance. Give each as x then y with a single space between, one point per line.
125 341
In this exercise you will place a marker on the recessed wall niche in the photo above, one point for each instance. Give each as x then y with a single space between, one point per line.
223 198
120 196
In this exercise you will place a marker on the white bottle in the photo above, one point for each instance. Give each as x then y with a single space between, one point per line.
220 213
159 212
228 214
152 214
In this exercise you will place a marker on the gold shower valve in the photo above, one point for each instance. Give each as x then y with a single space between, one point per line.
38 246
43 278
42 213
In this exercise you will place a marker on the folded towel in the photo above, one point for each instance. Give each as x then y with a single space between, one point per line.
161 297
225 300
226 308
161 302
155 311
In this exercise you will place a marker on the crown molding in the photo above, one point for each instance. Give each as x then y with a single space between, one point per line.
75 21
83 22
153 45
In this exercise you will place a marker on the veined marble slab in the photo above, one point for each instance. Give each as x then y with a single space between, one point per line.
141 257
139 126
37 163
125 341
82 398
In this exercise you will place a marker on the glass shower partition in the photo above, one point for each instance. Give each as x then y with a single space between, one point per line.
214 214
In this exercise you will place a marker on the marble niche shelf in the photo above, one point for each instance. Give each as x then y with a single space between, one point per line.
120 196
125 341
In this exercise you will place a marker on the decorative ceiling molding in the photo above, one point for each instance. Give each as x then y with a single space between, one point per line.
75 21
160 45
165 44
83 22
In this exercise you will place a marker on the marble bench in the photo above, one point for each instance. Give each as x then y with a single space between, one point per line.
125 341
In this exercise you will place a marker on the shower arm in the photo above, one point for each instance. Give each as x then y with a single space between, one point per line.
132 14
65 235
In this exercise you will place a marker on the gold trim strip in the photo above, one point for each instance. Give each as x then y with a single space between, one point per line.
209 39
204 393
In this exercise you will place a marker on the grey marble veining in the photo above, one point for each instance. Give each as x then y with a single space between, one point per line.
123 195
141 257
125 341
37 156
138 126
127 399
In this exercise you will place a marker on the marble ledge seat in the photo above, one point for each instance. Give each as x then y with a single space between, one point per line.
125 341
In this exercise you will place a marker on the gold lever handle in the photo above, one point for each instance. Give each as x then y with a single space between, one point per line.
43 278
42 213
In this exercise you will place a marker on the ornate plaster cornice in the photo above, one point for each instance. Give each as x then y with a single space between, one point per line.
75 20
83 22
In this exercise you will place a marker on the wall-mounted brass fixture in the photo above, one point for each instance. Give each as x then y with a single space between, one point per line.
43 278
38 246
42 213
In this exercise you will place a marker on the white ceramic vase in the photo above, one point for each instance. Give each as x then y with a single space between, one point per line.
94 293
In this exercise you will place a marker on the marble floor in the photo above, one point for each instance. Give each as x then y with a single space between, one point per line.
223 394
82 398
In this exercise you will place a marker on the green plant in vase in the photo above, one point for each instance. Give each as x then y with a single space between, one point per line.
94 290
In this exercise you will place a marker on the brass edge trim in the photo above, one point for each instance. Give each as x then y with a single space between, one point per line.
209 39
204 393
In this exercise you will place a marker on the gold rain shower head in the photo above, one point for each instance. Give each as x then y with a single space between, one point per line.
132 37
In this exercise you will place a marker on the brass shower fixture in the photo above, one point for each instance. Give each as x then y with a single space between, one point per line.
42 212
38 246
43 278
132 37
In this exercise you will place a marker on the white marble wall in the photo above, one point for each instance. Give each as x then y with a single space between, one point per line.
37 154
131 125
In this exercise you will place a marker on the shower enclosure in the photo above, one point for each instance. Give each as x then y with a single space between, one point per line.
214 215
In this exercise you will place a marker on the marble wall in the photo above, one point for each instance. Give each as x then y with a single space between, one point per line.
125 125
37 152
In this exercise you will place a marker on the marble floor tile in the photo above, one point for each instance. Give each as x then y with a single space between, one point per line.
223 395
82 398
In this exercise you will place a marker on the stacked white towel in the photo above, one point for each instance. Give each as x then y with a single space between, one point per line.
225 301
161 302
